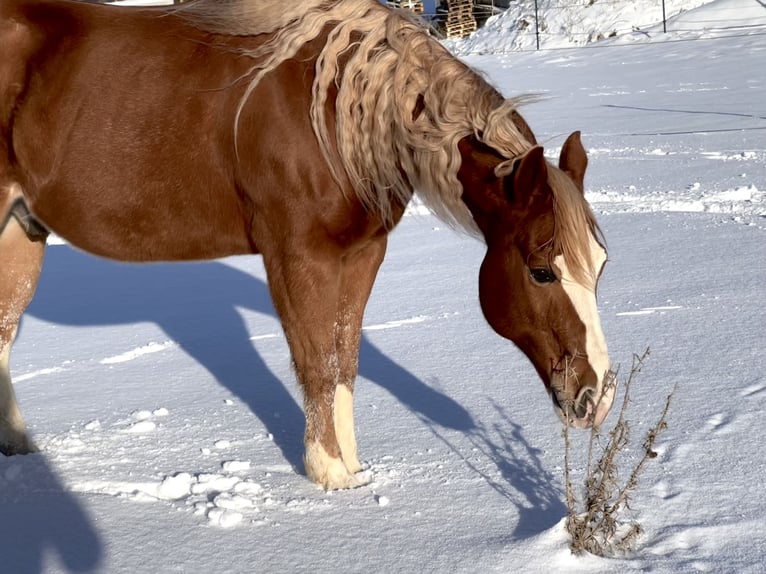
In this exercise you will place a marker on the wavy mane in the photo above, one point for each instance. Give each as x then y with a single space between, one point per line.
403 103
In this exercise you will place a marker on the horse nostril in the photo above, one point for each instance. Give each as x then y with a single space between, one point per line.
584 403
556 403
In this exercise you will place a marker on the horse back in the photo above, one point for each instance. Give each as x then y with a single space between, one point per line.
117 125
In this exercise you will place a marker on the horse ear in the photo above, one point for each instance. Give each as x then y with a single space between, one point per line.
506 168
573 160
527 173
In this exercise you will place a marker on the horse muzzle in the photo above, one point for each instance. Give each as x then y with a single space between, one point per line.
589 406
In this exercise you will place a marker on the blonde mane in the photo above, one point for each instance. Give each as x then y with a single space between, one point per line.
403 102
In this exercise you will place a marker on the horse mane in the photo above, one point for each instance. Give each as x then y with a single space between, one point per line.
403 103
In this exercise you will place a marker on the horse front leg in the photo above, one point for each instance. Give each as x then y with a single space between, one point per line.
358 273
20 260
306 294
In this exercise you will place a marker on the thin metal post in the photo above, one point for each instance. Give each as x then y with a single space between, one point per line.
664 22
537 26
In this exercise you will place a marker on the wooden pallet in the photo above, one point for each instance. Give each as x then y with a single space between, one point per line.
460 30
460 13
458 19
452 5
413 5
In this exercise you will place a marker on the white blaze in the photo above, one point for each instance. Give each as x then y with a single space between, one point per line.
583 298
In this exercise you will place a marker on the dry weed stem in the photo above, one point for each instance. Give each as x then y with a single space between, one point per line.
594 525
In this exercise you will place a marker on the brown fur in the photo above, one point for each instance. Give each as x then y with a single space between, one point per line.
391 67
249 126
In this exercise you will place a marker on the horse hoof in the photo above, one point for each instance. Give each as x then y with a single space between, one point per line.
11 446
329 472
348 481
340 479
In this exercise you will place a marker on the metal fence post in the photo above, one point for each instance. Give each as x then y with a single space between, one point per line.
537 26
664 22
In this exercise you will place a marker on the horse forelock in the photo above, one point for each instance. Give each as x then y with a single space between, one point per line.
574 227
403 102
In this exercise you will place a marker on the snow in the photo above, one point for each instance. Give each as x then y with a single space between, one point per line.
163 400
572 23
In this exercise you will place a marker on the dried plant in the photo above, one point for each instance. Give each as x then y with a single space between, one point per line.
594 525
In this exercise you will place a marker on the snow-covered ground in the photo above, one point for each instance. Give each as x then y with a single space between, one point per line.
170 426
567 23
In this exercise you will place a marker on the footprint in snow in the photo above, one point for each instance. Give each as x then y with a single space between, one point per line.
665 490
753 390
719 422
143 422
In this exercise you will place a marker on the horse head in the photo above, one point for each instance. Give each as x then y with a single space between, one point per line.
538 280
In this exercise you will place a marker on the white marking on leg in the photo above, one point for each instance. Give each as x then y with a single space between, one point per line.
343 416
583 298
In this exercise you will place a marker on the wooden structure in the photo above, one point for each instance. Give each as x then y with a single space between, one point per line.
456 17
414 5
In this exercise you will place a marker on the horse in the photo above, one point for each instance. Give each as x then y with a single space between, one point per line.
300 132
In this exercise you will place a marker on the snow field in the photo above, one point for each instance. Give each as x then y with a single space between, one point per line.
170 425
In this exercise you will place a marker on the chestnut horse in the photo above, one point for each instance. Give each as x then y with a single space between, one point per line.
299 131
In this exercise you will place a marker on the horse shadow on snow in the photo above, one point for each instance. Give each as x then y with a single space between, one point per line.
533 489
40 518
196 305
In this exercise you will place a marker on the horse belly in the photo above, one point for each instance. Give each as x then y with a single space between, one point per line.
140 232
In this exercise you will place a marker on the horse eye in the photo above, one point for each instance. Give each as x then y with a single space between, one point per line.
542 275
